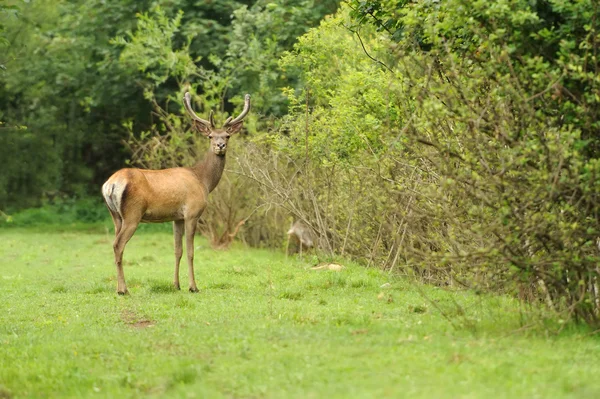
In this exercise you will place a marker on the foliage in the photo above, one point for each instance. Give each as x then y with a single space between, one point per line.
77 71
59 212
505 97
6 11
150 49
262 326
320 164
54 86
260 34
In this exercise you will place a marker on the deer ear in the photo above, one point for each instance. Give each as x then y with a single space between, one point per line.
201 127
235 128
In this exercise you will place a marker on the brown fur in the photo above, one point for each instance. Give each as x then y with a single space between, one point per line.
135 196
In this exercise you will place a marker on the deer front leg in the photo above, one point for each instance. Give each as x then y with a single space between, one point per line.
190 230
121 240
178 228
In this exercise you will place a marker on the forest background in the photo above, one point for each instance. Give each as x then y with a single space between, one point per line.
453 141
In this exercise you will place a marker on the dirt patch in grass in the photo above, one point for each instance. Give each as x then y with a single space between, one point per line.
142 324
136 321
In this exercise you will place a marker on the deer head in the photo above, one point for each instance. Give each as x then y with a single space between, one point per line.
218 136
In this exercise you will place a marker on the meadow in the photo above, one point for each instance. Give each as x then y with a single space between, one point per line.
263 326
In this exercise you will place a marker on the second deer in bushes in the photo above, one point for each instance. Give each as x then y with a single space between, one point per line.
180 195
301 234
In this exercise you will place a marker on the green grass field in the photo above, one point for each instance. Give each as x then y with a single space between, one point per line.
262 326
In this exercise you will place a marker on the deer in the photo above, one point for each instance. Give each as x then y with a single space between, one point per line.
301 234
177 195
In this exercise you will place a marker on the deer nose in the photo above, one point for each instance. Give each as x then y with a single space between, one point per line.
221 146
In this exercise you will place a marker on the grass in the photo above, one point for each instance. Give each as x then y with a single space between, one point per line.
260 327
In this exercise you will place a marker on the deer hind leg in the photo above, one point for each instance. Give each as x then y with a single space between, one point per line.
190 230
287 247
126 232
178 229
117 221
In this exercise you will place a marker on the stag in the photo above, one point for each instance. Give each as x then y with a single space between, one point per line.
180 195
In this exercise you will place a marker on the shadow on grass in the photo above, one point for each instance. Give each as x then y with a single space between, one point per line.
161 287
291 295
58 289
100 288
221 286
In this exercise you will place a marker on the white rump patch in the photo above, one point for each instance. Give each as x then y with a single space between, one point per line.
112 191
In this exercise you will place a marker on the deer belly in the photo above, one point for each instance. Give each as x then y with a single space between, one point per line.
160 215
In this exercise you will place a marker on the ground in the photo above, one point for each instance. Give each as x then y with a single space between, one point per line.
262 326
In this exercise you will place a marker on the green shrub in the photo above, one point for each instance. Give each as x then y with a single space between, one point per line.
503 105
60 212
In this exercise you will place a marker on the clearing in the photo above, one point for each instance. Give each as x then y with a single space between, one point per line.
262 326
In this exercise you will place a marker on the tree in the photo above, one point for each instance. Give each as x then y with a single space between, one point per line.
75 89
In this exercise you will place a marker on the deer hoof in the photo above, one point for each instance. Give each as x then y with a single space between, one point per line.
194 289
177 287
123 292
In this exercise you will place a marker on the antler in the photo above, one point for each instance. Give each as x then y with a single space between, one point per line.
211 121
241 116
188 107
211 118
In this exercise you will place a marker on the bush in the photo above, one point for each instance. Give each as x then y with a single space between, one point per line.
60 211
500 102
466 158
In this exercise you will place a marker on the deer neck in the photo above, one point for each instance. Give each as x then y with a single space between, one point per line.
210 169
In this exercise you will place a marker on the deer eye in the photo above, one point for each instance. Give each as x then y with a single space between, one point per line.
209 137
